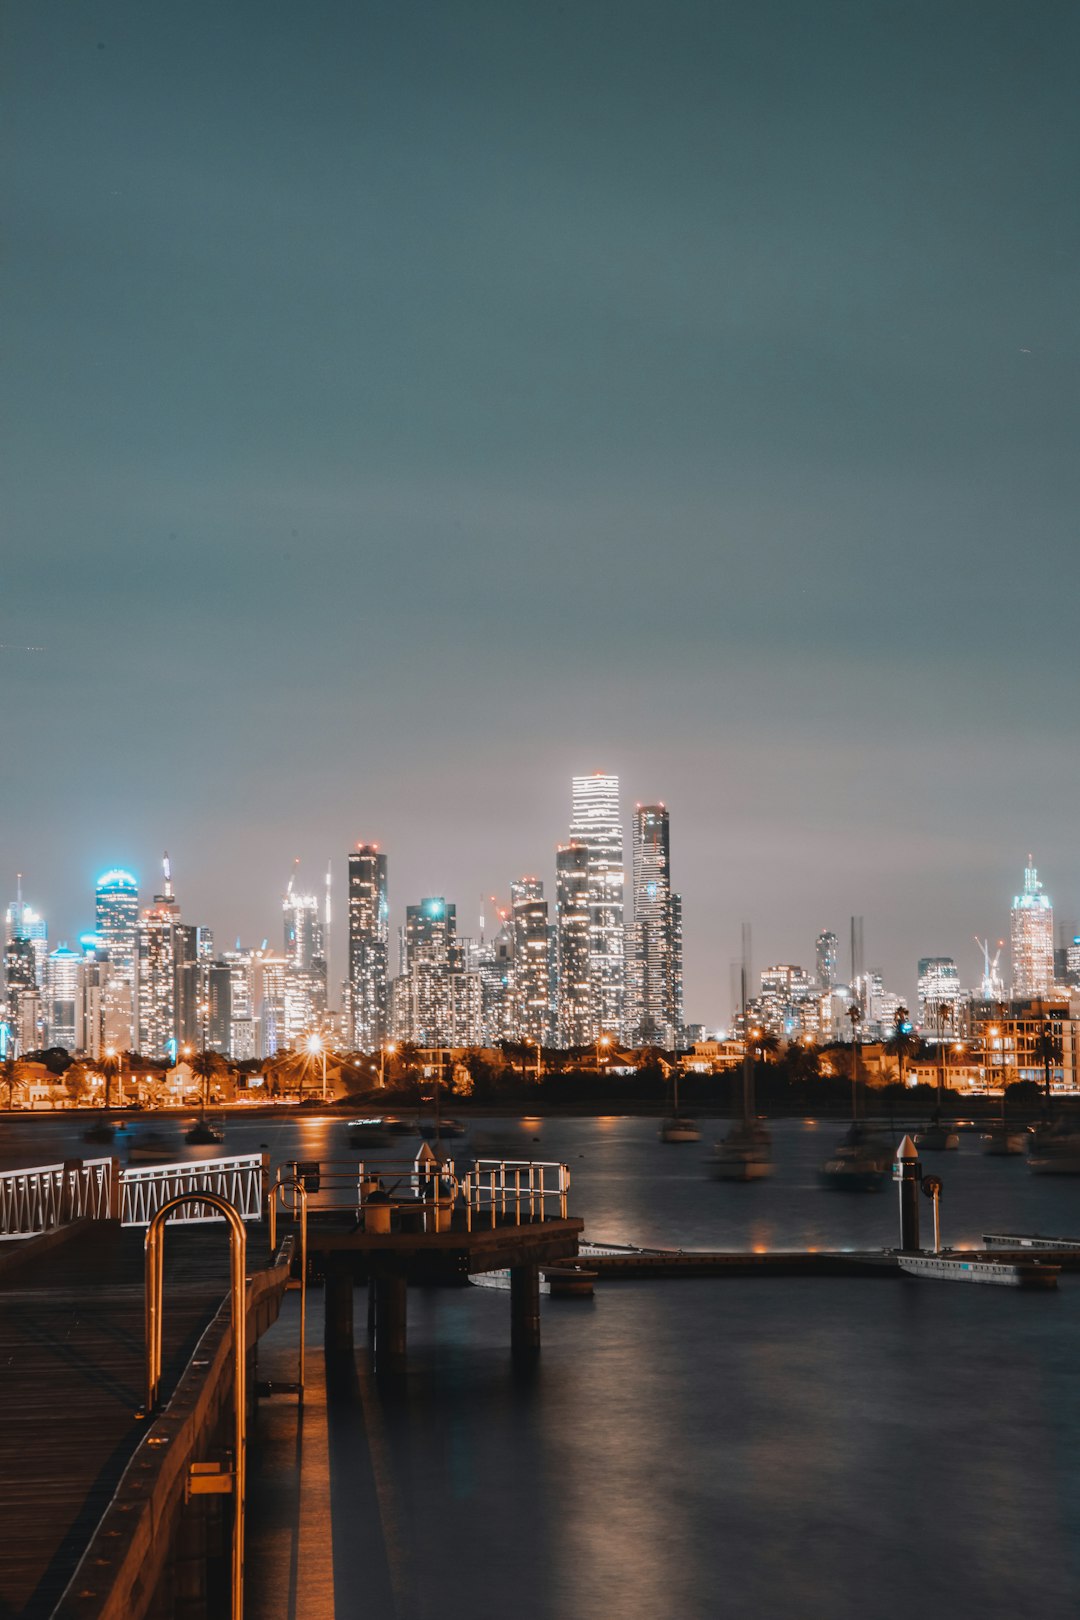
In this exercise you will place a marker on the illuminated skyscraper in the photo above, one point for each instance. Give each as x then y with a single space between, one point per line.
654 939
828 959
157 978
369 935
23 922
435 1001
63 999
531 980
595 825
941 997
575 1025
1032 939
116 908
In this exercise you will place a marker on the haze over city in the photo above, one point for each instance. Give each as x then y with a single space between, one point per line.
431 404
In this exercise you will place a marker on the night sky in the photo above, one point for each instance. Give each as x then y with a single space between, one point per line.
407 406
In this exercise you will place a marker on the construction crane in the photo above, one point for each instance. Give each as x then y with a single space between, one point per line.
991 988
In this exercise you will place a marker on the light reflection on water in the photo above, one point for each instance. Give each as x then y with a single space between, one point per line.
701 1448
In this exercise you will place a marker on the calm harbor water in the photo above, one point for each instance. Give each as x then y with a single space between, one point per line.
786 1448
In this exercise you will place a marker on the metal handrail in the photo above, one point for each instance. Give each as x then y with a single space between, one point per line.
238 1179
155 1277
496 1185
277 1190
47 1195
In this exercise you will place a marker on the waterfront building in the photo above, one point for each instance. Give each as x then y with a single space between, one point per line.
941 998
575 1023
531 975
596 825
116 925
654 938
157 978
827 957
369 936
1032 938
1007 1036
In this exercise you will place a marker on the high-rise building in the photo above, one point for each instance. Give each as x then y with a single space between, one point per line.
827 952
575 1024
157 1026
23 922
435 1001
116 926
530 999
369 937
596 825
941 997
654 939
63 999
1032 938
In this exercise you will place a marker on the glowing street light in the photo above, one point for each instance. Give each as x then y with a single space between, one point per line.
601 1041
315 1046
387 1046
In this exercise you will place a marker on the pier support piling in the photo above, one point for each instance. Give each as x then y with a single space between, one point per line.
391 1311
339 1307
524 1309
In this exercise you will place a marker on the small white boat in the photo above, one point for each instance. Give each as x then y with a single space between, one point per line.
680 1129
1002 1273
1000 1142
937 1138
745 1154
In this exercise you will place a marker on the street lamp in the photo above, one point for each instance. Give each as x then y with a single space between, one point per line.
315 1045
387 1046
539 1050
601 1041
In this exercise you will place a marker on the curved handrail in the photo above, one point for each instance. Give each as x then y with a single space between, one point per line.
155 1274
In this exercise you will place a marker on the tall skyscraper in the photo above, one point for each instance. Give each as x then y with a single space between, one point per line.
654 939
116 909
157 979
828 959
23 922
1032 939
531 1016
369 937
435 1001
596 825
940 993
575 1025
63 999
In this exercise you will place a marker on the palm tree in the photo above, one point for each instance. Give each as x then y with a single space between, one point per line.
1048 1050
10 1072
903 1044
803 1061
205 1066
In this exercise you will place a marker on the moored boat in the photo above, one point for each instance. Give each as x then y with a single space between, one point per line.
860 1162
937 1138
679 1129
745 1154
1002 1273
204 1134
1000 1142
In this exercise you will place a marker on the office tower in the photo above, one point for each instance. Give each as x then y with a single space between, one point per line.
828 959
1032 939
494 964
22 1005
94 971
270 977
243 1024
157 978
63 999
595 824
23 922
116 926
788 1004
654 939
531 1016
369 936
575 1025
219 1007
939 992
435 1001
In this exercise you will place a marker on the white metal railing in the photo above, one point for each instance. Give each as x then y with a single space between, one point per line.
241 1181
48 1195
504 1187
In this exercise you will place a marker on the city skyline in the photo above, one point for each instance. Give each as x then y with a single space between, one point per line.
905 985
